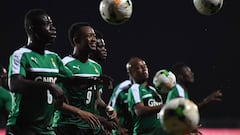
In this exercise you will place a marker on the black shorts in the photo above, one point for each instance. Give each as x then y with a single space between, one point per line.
15 130
73 130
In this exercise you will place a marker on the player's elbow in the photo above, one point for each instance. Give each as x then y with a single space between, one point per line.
15 83
139 110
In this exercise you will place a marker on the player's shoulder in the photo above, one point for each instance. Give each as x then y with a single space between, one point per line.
50 52
67 59
135 86
94 62
125 84
21 51
152 88
178 87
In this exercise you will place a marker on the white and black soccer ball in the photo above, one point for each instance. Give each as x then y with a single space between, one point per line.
164 80
179 116
116 12
208 7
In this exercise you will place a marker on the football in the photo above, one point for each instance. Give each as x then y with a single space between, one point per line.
179 116
208 7
164 80
116 12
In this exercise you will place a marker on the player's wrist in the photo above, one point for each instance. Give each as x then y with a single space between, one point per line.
108 108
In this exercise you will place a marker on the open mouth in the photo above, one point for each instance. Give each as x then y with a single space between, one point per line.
53 35
93 46
105 54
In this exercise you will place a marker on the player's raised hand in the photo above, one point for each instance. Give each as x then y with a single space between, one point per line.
106 81
89 118
215 96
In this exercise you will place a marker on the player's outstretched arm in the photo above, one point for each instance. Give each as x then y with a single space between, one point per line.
88 117
141 110
215 96
21 85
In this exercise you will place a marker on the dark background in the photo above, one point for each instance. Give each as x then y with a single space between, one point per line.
160 31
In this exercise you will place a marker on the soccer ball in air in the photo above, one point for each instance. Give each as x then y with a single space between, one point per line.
208 7
179 116
116 11
164 80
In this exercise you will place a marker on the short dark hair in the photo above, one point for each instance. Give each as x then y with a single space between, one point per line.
73 31
99 34
131 61
177 68
31 17
1 69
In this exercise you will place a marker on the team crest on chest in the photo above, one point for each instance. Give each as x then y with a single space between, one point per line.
53 63
96 70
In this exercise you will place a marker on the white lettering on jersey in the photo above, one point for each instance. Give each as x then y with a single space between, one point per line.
153 102
46 79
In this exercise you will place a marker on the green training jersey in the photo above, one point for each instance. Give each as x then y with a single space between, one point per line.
82 98
35 108
177 91
146 125
5 99
119 102
5 105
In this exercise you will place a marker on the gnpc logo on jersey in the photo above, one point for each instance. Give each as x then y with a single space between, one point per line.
153 102
46 79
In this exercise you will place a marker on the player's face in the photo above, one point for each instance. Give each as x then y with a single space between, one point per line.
88 38
44 29
101 49
3 78
139 71
188 75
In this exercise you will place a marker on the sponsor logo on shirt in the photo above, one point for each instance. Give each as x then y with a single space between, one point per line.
153 102
76 67
34 59
46 79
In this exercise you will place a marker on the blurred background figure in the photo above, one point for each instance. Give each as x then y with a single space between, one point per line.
119 101
5 97
101 51
185 77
